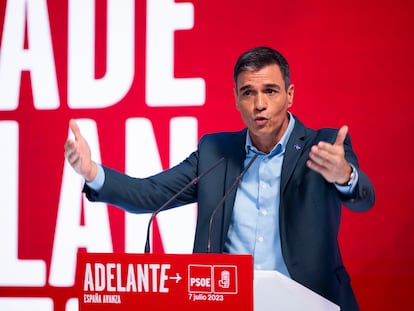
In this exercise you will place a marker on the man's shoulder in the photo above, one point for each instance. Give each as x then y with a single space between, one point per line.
327 134
224 143
224 137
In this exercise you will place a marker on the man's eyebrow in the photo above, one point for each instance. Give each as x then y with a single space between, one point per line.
245 87
272 86
266 86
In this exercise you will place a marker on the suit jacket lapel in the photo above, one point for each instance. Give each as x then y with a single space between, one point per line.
294 149
236 154
234 166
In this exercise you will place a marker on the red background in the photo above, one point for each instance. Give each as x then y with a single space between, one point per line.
351 63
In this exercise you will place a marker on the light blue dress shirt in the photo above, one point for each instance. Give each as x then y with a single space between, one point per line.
254 228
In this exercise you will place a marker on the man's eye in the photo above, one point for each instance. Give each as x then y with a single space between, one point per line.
271 91
247 93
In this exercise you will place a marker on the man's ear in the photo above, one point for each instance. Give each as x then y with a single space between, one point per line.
290 92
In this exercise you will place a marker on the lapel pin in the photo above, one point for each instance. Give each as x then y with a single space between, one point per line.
297 147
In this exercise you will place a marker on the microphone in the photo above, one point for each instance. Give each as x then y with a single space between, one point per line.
192 182
220 203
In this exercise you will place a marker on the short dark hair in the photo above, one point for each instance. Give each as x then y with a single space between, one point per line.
259 57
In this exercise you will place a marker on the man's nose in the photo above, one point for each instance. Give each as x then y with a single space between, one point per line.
260 102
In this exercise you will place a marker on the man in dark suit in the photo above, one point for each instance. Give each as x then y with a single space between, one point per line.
285 211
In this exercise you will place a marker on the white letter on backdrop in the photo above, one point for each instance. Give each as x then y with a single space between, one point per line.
177 225
162 89
84 91
13 271
141 160
70 235
37 58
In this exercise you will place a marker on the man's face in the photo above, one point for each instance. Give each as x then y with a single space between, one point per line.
263 102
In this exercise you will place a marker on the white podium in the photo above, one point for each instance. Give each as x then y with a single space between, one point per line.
274 291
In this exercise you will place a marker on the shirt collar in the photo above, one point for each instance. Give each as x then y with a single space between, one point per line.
280 146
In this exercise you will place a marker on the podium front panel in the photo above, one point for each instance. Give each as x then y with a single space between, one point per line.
119 281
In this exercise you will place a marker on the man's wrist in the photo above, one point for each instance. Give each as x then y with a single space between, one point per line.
350 179
92 173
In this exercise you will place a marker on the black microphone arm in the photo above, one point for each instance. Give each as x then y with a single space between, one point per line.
220 203
192 182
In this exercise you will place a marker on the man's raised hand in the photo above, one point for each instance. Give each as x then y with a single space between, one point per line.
329 159
78 154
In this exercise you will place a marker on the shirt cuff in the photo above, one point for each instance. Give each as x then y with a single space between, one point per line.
348 189
99 180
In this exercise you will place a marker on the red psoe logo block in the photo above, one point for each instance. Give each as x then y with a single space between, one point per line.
225 279
200 279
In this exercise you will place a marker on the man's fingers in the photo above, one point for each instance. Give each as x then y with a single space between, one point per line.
340 138
318 155
328 160
75 129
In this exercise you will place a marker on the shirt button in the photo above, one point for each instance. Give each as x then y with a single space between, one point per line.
264 212
258 267
260 239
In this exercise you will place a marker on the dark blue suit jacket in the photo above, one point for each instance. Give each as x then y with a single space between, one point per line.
310 207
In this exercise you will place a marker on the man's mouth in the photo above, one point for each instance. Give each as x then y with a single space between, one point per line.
260 120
